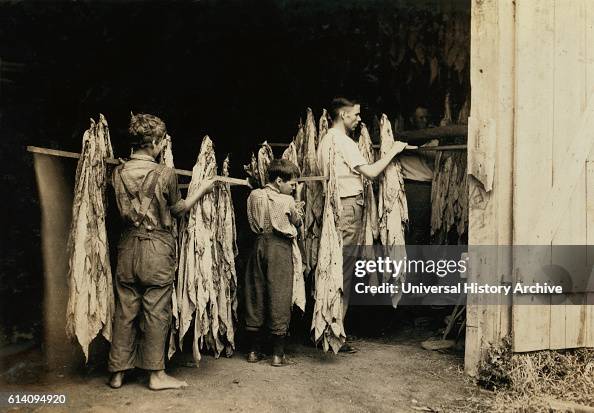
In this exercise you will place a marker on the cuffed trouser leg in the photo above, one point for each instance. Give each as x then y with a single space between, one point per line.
154 325
269 285
122 354
255 288
279 280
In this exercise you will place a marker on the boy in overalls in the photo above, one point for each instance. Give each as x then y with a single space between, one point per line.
273 215
147 197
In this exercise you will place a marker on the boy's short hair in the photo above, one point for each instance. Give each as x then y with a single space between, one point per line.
144 129
283 169
339 103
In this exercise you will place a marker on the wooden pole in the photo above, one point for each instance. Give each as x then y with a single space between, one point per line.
421 135
227 179
420 148
113 161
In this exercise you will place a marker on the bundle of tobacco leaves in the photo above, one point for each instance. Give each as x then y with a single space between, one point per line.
91 299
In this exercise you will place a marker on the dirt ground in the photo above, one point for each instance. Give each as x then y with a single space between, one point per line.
390 374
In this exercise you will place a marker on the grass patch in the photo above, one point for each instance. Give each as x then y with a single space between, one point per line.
529 382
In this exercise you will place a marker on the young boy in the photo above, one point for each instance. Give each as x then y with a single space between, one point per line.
147 196
274 216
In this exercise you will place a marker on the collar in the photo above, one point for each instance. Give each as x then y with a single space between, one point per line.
340 133
142 157
270 186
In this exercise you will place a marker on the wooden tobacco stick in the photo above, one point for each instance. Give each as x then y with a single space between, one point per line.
75 155
420 148
438 148
113 161
451 131
311 178
421 135
231 181
219 178
318 178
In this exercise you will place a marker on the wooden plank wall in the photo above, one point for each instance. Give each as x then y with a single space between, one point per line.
589 61
554 81
491 133
567 324
533 142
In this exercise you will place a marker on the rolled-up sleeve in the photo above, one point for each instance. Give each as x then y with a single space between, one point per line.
177 205
351 154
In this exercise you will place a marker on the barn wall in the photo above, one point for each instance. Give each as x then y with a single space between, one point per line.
490 154
530 135
553 142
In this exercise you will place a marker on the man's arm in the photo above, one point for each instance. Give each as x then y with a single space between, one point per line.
371 171
205 187
181 206
429 155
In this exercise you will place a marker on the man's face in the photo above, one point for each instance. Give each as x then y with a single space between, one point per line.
285 187
421 118
351 117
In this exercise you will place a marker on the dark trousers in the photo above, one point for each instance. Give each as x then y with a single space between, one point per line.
418 197
269 284
351 227
144 283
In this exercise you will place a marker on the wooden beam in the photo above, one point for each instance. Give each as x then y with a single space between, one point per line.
438 148
451 131
492 76
420 148
420 135
75 155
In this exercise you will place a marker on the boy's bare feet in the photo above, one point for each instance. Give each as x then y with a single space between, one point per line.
159 380
116 380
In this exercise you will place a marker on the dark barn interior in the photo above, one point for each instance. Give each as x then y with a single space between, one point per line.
240 71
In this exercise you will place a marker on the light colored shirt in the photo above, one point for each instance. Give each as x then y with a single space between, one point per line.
141 181
348 157
416 167
268 211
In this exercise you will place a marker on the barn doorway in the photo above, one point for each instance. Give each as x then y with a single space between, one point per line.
242 74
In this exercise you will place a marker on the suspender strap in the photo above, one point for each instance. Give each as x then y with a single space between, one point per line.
141 201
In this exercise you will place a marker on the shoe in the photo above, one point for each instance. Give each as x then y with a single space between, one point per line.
347 348
253 357
281 361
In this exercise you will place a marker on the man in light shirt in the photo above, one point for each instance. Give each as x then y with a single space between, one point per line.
350 167
417 171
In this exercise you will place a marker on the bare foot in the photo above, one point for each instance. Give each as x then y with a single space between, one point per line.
116 380
161 381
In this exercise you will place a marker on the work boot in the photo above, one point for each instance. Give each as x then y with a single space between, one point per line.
278 351
279 361
254 355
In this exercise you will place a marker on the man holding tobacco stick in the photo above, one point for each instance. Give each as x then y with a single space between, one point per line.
350 167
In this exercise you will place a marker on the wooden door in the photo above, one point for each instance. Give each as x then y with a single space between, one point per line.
553 195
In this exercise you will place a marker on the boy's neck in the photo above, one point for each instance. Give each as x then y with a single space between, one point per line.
143 151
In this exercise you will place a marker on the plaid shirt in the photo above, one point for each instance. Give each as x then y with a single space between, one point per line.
134 183
268 210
